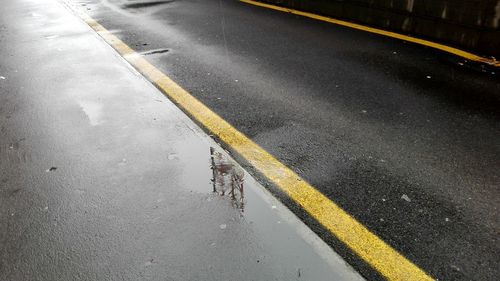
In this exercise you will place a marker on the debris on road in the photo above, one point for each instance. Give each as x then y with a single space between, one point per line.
51 169
406 198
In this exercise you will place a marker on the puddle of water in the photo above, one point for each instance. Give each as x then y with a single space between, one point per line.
218 175
227 178
286 239
289 241
93 110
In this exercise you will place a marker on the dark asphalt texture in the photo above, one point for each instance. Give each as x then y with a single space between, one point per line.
403 137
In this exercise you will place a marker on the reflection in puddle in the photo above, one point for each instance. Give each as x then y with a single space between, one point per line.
227 178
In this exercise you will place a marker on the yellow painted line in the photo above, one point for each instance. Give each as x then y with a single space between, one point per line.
357 237
448 49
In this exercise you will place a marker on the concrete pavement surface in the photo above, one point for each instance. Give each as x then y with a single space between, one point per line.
103 178
404 138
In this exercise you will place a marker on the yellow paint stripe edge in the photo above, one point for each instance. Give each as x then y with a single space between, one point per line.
357 237
455 51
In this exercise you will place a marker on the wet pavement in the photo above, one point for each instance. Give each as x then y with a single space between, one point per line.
403 137
103 178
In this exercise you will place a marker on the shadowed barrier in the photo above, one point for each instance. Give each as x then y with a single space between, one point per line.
471 25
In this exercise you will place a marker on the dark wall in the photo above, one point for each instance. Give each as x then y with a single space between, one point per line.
472 25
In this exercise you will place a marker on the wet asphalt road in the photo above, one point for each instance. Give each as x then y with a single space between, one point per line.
404 138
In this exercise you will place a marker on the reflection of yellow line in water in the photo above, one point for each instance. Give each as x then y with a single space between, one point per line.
367 245
427 43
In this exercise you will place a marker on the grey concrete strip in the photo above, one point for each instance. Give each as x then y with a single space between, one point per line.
103 178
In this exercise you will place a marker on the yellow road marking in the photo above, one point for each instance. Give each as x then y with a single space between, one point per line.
357 237
455 51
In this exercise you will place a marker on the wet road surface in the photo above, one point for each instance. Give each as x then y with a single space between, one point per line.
103 178
404 138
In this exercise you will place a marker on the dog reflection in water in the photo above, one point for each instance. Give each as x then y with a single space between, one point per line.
227 178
